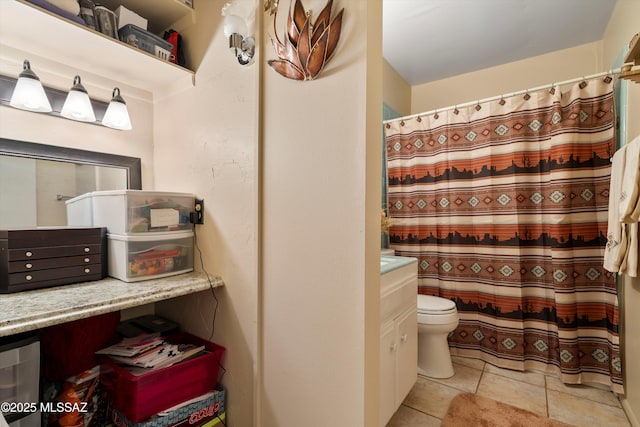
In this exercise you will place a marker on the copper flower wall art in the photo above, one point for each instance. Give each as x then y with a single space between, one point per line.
307 46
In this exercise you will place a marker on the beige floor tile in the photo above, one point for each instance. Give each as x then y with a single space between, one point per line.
517 393
582 412
585 392
430 397
467 361
465 378
409 417
530 377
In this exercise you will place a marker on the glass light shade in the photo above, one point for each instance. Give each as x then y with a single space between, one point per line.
77 106
233 24
29 93
117 115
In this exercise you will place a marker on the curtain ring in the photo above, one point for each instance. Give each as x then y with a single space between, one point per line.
502 101
455 110
435 116
609 77
526 95
478 107
583 83
419 119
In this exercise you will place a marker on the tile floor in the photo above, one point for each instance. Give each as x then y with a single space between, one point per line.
580 406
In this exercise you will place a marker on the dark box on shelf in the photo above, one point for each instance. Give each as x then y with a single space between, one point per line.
42 257
138 397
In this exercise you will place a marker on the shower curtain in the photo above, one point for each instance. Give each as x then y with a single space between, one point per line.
505 206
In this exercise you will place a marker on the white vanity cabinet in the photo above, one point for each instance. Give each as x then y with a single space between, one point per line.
398 332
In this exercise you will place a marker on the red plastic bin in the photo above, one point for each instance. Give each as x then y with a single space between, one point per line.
139 397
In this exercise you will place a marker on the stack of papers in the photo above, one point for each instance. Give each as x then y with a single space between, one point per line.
148 352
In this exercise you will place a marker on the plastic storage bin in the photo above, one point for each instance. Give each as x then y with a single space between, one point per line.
31 420
132 211
135 258
142 39
139 397
19 372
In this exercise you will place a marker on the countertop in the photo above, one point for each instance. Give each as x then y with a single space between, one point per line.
31 310
390 263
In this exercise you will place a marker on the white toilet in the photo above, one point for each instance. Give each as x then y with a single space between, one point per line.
436 318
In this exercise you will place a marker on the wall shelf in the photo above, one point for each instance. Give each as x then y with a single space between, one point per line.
31 310
28 28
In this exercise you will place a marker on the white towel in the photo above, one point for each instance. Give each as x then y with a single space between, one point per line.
630 263
629 197
616 248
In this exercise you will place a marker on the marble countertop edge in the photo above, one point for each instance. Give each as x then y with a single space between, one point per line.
31 310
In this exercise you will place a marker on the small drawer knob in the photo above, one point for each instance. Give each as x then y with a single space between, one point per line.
87 270
29 253
28 265
28 277
87 259
86 250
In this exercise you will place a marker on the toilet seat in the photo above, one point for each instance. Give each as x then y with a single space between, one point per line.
428 304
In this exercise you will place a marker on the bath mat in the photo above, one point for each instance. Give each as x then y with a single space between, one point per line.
468 409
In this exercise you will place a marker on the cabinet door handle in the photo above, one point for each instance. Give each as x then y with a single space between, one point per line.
404 338
393 347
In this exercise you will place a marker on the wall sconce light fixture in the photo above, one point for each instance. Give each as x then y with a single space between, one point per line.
117 115
29 94
77 106
237 31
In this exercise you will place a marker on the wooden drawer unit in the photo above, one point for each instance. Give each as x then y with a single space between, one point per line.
42 257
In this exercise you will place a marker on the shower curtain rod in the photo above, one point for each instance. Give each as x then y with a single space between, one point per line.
507 95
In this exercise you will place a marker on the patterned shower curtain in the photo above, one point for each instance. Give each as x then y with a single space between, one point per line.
505 206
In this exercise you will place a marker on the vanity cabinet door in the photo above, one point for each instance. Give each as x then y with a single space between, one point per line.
407 357
388 351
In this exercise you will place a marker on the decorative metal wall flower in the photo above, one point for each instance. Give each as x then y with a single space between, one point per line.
307 46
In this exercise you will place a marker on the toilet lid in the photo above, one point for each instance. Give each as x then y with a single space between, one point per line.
435 305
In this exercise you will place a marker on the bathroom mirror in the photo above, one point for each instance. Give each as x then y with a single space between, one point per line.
37 179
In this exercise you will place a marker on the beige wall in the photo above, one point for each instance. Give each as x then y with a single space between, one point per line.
206 142
622 26
396 92
515 76
320 232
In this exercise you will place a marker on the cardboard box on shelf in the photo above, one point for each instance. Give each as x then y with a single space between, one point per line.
126 16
